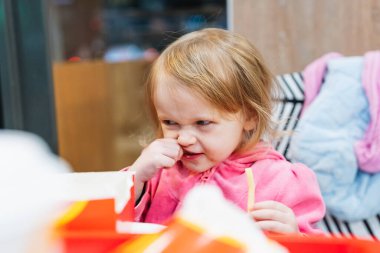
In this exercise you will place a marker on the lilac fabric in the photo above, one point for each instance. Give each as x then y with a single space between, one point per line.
313 77
368 149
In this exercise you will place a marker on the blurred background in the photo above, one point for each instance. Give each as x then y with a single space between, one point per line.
72 71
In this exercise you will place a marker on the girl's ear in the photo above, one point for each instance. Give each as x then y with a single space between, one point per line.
250 124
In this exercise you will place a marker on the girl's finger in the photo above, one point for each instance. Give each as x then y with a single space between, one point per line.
269 214
275 226
174 152
166 162
167 147
270 204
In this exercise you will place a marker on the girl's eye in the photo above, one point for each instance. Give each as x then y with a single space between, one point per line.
169 122
203 122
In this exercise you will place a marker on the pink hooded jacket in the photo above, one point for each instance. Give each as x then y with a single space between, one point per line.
275 178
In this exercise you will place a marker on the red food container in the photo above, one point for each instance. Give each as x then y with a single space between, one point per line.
322 244
90 226
181 236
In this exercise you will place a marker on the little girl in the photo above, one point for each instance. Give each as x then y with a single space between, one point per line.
210 97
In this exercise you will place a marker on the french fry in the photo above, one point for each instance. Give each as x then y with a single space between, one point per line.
251 189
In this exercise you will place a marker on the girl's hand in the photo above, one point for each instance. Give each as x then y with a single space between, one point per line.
275 217
161 153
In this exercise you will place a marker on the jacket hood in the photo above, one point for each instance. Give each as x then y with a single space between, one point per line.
261 151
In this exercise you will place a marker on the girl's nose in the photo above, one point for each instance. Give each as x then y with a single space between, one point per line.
186 139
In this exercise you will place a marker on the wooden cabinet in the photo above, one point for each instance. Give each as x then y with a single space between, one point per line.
292 33
100 113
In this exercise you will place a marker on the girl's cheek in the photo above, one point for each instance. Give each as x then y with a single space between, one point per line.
170 134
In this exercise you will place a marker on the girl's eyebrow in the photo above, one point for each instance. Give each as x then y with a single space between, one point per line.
161 114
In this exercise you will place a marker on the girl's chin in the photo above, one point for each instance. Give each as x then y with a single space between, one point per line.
196 168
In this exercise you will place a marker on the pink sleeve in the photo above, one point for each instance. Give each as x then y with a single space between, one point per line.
294 185
300 191
145 200
143 206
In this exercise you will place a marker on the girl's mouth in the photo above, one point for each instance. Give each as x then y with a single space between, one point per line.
190 155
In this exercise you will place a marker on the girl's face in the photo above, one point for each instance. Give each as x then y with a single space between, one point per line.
206 136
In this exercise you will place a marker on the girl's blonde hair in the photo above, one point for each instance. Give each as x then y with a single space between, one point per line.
226 70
